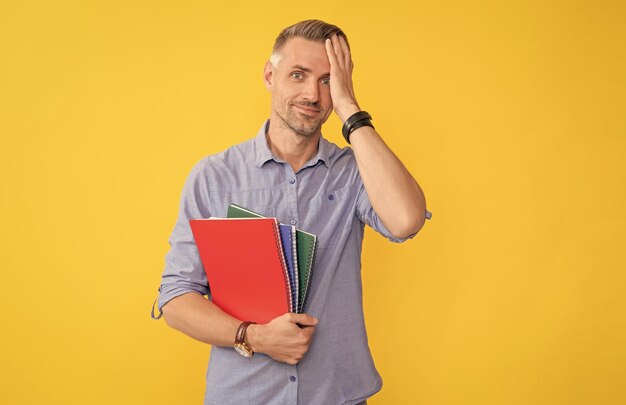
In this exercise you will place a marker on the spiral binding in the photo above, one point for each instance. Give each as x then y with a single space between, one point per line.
279 246
310 260
296 276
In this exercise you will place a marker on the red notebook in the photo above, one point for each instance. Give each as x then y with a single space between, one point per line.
245 266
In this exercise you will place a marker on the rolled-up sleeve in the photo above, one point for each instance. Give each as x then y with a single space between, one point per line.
367 215
184 272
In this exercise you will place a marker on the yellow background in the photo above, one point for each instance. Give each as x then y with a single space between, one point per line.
510 114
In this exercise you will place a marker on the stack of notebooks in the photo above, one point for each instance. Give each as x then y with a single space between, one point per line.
257 269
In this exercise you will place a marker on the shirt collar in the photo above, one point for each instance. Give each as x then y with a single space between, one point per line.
264 154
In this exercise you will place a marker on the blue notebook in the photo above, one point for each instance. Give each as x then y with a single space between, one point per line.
288 239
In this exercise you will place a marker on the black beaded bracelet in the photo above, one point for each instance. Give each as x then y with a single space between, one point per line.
356 120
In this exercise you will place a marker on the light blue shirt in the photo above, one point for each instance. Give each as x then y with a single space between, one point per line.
325 197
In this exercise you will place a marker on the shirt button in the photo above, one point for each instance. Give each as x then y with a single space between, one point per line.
292 378
292 181
293 222
331 197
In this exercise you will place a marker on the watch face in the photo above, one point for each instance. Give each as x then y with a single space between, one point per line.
243 350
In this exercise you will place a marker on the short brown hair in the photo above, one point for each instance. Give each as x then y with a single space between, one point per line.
313 30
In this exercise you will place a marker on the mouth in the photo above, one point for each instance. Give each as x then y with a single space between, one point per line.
307 110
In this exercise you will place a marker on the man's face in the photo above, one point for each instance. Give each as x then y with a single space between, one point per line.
300 86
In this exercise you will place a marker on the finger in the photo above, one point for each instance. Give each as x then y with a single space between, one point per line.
330 51
344 46
338 50
345 52
304 319
308 333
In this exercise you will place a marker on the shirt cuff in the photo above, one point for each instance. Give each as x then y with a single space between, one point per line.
171 291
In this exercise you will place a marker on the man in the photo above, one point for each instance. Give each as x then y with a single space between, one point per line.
291 172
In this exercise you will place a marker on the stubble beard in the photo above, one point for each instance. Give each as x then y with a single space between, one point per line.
299 123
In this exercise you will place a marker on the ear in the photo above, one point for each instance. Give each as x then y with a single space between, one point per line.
268 75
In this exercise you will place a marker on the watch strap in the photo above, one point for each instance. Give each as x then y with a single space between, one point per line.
241 332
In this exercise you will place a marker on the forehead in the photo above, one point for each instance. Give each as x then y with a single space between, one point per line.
306 53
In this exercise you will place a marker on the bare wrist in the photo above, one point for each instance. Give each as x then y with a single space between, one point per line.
344 112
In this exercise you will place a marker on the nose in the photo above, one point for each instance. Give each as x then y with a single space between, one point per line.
311 91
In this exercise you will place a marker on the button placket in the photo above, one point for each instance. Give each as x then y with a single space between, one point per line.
292 381
292 196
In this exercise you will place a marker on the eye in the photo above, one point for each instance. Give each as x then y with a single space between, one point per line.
326 81
296 75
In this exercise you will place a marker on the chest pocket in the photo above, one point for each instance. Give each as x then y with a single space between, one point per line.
267 202
330 215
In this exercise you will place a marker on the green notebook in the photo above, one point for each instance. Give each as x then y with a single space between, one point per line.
306 244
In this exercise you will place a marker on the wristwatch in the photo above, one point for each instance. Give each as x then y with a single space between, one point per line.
240 345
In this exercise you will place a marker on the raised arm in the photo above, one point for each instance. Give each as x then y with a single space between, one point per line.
393 192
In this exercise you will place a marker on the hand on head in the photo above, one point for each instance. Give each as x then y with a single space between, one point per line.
341 87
